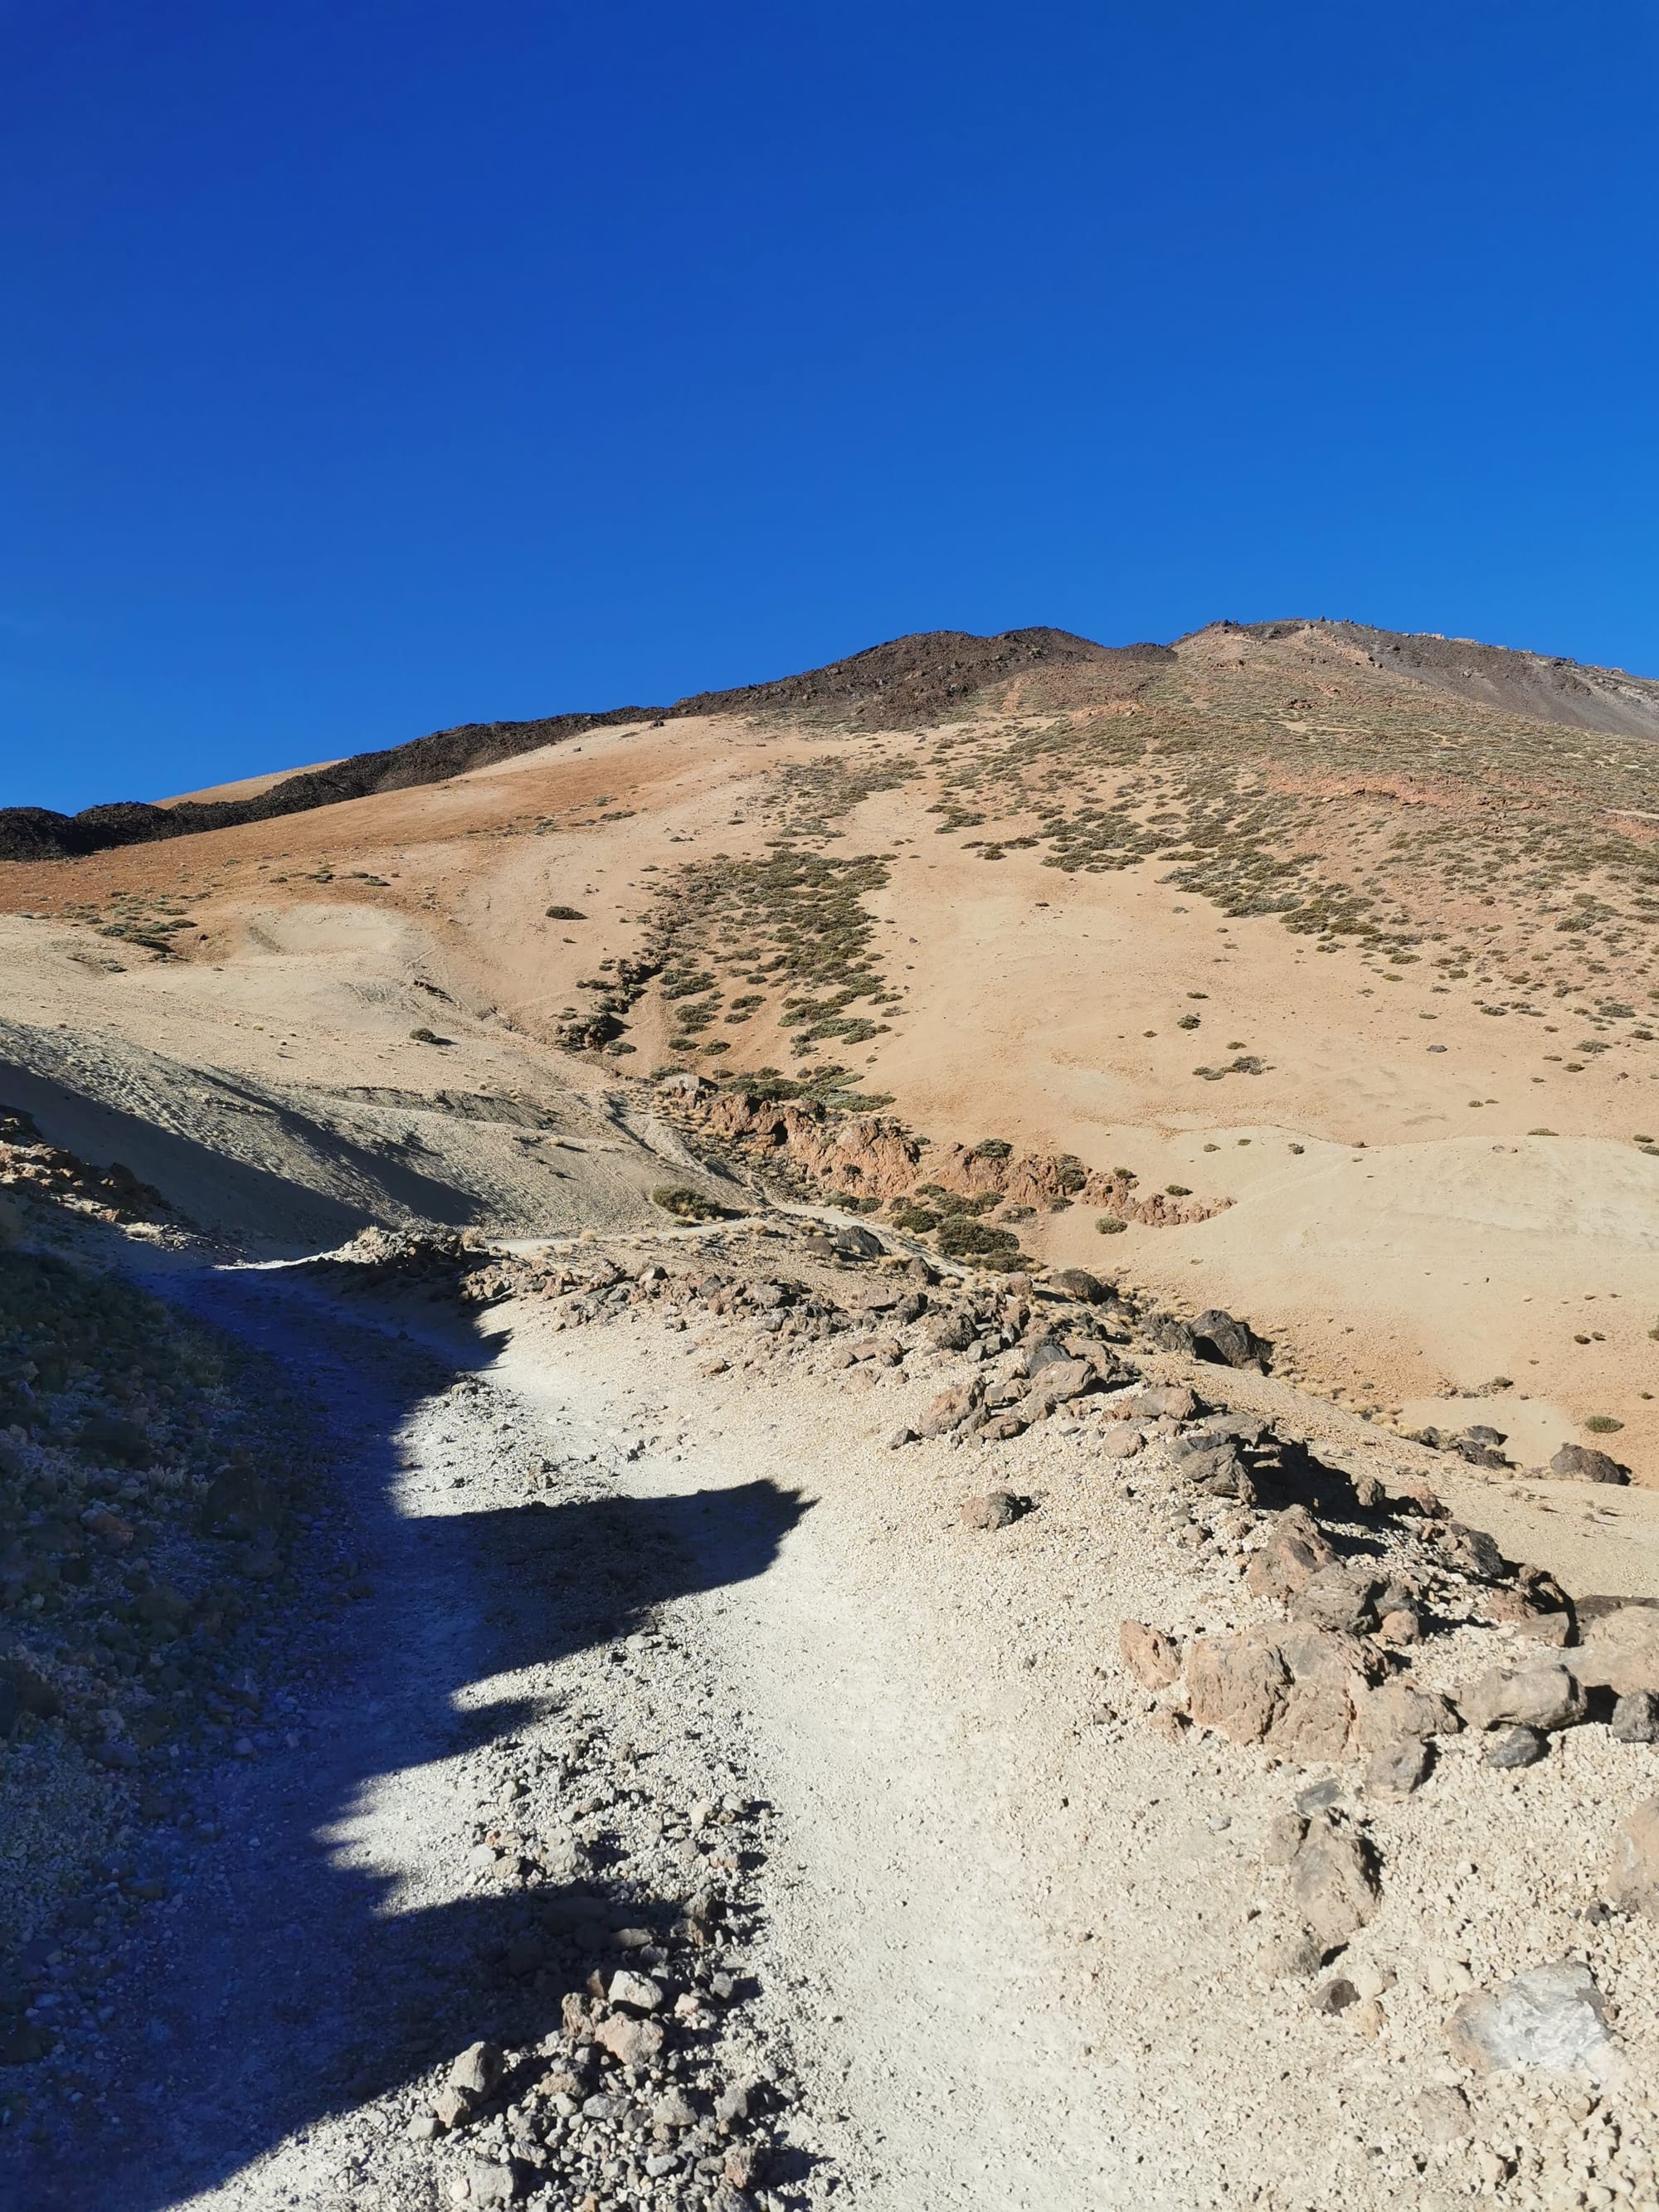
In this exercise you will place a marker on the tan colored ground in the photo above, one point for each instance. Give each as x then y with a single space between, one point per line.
247 786
1423 1240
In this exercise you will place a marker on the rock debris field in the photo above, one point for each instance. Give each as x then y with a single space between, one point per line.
740 1717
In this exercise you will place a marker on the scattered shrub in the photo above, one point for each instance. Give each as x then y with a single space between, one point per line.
961 1237
686 1204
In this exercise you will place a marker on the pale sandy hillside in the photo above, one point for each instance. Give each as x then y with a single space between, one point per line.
1336 940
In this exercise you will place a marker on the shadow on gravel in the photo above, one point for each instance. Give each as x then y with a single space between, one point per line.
285 1984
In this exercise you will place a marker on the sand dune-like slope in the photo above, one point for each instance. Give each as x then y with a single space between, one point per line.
1358 942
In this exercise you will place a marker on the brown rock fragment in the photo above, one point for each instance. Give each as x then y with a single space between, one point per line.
1398 1709
1236 1684
997 1509
1620 1651
948 1411
1542 1694
1150 1657
1293 1555
1334 1882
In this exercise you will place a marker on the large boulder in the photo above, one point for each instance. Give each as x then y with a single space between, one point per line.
1329 1681
1542 1695
1552 2017
1295 1692
1342 1596
1620 1651
1583 1463
1219 1337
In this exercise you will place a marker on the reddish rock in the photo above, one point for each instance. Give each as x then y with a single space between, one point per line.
1236 1684
1150 1657
1294 1554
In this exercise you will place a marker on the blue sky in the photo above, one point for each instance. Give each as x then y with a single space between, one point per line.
368 368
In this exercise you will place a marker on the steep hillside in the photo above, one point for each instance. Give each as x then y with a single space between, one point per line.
1323 985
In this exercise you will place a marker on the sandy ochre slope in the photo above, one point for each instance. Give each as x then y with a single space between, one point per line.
1362 964
801 1660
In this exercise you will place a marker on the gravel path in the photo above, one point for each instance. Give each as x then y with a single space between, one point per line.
666 1667
500 1793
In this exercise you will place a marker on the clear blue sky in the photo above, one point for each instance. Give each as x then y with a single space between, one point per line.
370 368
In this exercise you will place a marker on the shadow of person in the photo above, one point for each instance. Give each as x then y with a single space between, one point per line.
348 1931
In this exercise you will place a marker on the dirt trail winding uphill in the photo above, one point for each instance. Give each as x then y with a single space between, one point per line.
1031 1932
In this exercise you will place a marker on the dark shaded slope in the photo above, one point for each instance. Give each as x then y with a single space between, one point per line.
925 676
35 833
915 678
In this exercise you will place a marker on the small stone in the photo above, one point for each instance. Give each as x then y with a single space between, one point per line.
1335 1996
1283 1838
1334 1882
630 2042
1401 1626
1442 2115
673 2110
452 2109
744 2165
1291 1957
997 1509
733 2102
948 1411
1515 1746
1318 1797
1398 1709
425 2127
489 2184
904 1434
1394 1770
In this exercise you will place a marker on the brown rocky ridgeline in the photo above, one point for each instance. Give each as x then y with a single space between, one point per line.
873 1160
